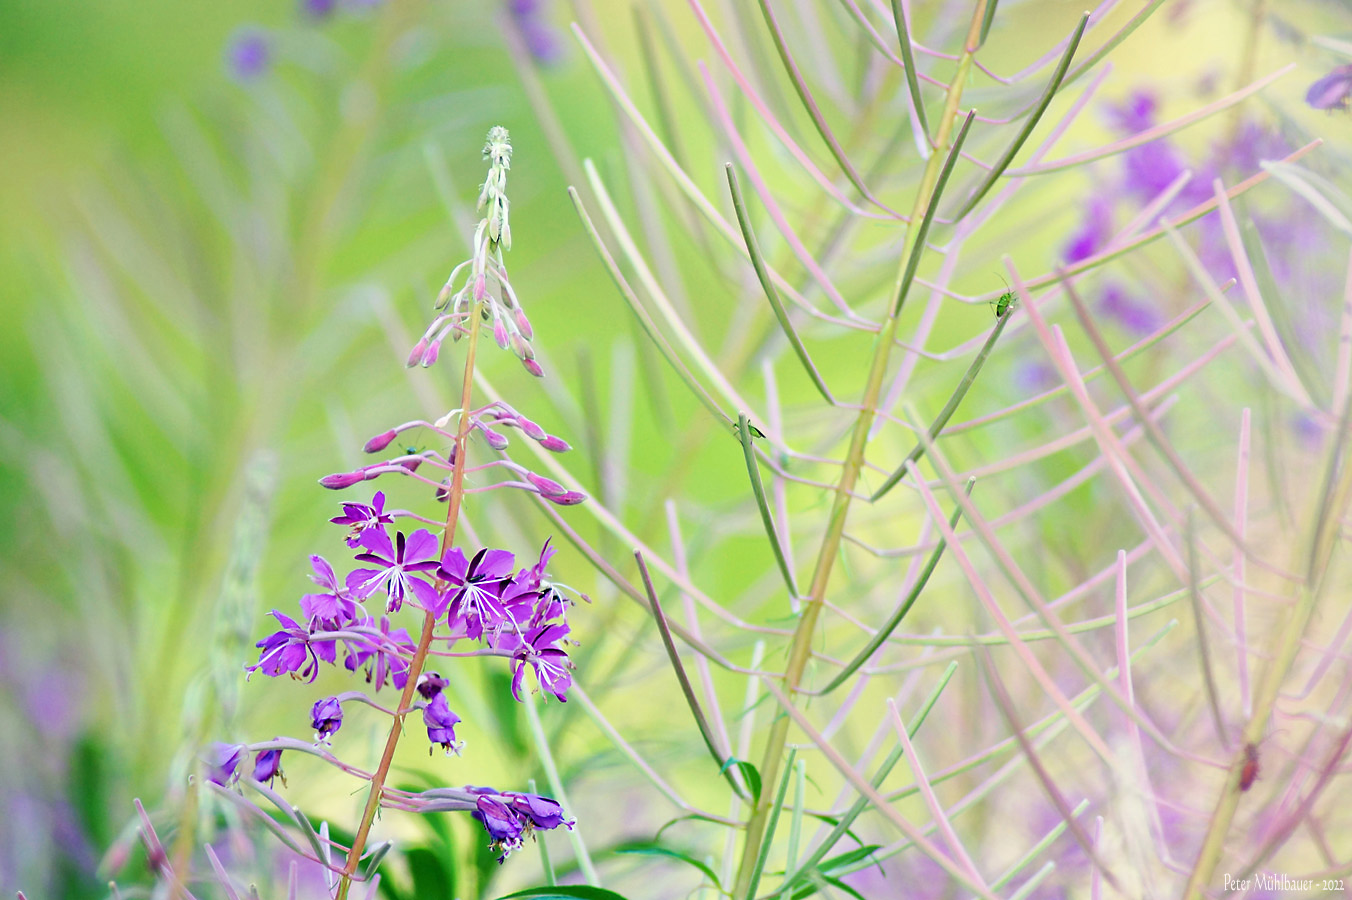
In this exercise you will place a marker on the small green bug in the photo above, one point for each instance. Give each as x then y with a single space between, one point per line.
1005 303
755 432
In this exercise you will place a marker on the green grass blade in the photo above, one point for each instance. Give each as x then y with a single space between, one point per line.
770 826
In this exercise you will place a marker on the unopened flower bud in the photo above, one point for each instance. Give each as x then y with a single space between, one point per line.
556 444
500 334
410 465
267 766
567 498
480 286
523 323
533 367
444 491
430 684
418 350
521 348
430 354
494 439
533 431
340 480
547 486
380 441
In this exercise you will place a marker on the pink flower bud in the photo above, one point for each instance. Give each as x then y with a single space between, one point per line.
533 431
500 334
342 480
547 486
567 498
520 347
380 441
443 493
418 350
494 439
533 367
410 465
430 354
524 324
480 287
443 295
556 444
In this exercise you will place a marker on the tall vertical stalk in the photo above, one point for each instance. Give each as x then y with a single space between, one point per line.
799 649
453 504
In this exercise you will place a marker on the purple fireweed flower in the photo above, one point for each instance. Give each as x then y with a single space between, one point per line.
475 589
360 517
510 817
535 575
287 650
440 722
319 9
248 54
331 609
539 649
326 717
1093 234
540 38
381 660
267 766
222 762
430 684
397 564
1332 91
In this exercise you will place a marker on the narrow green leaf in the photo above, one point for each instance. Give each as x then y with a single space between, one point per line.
768 286
749 772
758 489
895 619
655 850
564 892
987 22
687 689
1043 102
770 826
949 408
908 57
857 808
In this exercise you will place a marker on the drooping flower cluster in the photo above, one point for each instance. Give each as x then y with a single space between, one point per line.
511 817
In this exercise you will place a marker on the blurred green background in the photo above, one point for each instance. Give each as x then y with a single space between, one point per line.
208 285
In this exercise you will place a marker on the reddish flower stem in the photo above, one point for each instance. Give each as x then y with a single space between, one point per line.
429 623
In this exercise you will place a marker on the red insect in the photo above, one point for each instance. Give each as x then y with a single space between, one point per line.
1249 773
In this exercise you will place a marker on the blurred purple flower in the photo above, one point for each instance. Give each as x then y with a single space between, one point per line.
1333 90
222 762
397 564
318 9
1094 232
267 766
440 722
1132 314
326 717
359 517
540 37
249 53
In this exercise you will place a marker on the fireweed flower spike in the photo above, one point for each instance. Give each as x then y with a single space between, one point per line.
517 615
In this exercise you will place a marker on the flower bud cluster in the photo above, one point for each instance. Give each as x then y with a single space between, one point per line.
485 284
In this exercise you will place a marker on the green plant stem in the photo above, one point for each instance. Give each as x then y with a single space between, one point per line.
799 649
453 505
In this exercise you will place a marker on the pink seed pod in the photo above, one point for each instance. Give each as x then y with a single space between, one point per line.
500 334
556 444
547 486
340 480
533 431
523 324
418 350
567 498
380 441
533 367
